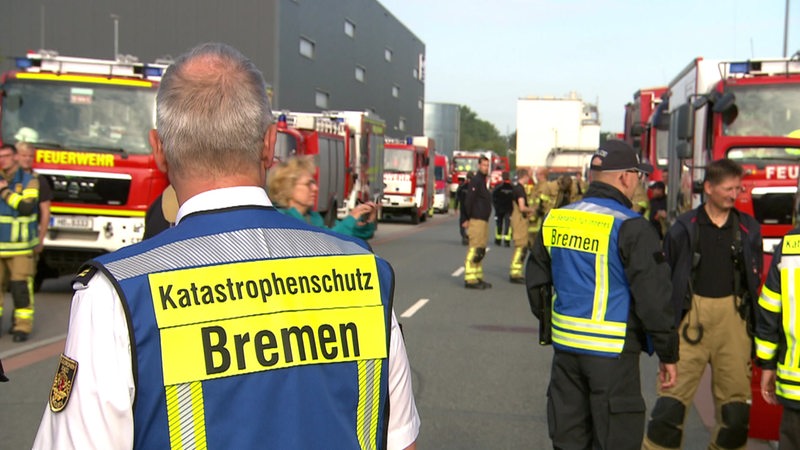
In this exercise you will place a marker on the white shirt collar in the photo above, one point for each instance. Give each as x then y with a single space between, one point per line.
223 198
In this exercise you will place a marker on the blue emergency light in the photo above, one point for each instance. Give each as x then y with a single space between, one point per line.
409 140
740 67
151 71
23 63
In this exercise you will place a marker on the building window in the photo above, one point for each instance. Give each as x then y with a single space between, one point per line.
349 28
401 124
361 73
395 91
420 104
388 55
415 73
321 99
307 48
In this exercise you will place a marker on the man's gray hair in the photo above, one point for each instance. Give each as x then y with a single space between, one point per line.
212 120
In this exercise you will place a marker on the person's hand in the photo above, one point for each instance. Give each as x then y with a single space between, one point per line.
364 213
465 224
768 387
38 249
667 375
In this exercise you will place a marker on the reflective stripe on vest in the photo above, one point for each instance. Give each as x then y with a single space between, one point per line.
582 241
271 323
788 382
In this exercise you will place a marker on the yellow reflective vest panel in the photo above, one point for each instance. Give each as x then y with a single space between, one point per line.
778 318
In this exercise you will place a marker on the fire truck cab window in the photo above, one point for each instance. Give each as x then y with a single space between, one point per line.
396 160
87 116
466 164
765 110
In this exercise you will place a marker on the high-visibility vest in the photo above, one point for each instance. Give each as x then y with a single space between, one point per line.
19 234
591 294
779 298
251 329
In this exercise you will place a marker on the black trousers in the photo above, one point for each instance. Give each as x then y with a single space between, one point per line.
790 428
595 402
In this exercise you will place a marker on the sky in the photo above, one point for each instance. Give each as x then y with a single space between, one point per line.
486 55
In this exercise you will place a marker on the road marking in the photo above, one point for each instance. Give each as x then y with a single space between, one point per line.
414 308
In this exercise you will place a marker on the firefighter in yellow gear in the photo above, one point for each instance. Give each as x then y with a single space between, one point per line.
640 201
540 200
19 235
519 227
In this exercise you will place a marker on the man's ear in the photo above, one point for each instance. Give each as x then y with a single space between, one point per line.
268 153
158 151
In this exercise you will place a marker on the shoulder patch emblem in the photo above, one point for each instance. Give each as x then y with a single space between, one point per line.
86 274
63 383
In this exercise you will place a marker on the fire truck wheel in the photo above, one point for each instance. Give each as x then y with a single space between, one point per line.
414 216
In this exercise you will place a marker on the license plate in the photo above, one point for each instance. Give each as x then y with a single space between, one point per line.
72 223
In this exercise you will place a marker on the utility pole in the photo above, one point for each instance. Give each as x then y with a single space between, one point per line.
786 30
115 18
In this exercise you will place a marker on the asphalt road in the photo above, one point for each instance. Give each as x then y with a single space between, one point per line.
479 376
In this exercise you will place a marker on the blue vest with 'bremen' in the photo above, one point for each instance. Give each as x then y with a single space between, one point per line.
251 329
591 298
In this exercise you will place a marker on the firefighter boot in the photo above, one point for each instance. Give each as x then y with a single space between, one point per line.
516 274
23 310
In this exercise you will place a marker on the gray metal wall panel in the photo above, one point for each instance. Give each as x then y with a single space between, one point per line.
336 56
150 29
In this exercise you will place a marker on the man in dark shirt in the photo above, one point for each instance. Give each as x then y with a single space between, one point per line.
715 253
461 195
502 200
478 209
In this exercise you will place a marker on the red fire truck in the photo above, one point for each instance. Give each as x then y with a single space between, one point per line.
748 111
366 141
344 146
441 197
408 178
89 121
499 167
640 132
467 161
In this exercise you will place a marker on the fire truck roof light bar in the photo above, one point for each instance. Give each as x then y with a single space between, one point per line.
126 66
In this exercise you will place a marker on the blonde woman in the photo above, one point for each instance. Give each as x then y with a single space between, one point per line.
293 189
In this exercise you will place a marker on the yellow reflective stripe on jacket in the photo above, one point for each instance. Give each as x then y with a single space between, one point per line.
600 288
593 343
790 392
14 200
589 326
765 350
369 393
770 300
186 416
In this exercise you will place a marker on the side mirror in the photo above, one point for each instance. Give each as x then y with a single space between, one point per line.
637 129
684 121
684 150
724 103
662 122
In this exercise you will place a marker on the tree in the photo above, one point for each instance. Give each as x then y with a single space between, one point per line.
478 134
